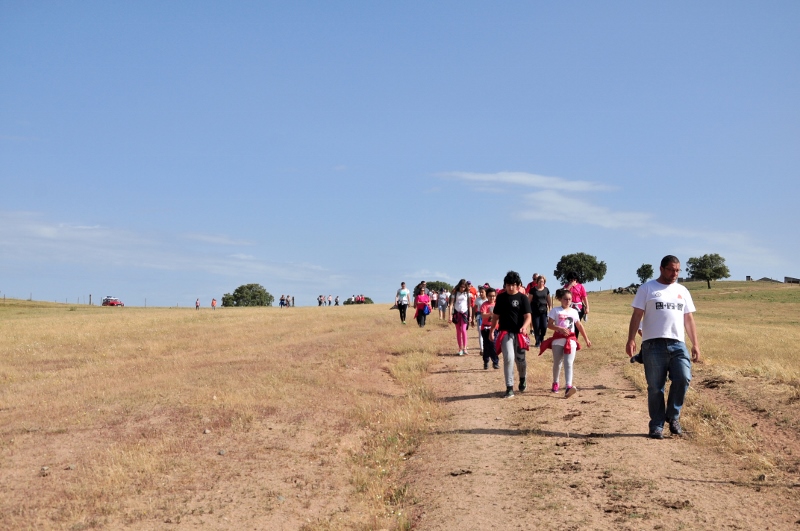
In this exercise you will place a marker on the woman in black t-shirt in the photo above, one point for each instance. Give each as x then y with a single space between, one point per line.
541 304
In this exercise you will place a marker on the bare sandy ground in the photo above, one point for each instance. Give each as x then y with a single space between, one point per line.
540 461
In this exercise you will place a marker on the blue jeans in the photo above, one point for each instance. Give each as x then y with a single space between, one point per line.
664 357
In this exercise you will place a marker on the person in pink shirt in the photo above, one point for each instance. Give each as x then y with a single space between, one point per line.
579 300
422 302
486 311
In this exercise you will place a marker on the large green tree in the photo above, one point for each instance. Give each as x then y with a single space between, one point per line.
248 295
708 267
645 273
584 265
437 285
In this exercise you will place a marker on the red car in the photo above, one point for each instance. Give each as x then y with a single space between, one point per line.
112 301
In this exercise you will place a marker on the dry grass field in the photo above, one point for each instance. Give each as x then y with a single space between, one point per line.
307 418
163 415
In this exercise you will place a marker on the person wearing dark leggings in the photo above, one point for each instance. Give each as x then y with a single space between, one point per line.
401 299
541 304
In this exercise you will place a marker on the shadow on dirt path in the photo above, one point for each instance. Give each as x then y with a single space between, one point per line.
540 461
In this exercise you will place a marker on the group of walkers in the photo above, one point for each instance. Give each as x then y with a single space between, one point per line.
286 301
329 301
510 318
213 304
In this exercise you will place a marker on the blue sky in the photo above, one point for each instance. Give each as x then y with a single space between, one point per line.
169 151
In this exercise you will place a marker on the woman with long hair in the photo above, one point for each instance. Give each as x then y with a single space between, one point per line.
461 300
422 302
541 304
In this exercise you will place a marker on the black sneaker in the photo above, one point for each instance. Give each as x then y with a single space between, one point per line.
509 392
675 427
656 433
495 365
522 385
485 366
637 358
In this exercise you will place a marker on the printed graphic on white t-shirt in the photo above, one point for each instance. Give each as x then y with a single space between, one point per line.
664 307
564 318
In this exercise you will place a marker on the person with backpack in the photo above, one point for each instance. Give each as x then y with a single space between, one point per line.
422 302
579 300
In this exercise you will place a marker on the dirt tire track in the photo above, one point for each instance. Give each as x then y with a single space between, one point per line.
541 461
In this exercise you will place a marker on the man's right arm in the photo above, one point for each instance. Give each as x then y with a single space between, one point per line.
633 327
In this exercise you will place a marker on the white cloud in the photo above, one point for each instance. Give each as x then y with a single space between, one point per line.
550 204
557 196
27 237
218 239
426 274
531 180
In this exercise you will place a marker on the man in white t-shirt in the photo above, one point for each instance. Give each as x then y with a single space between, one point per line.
664 308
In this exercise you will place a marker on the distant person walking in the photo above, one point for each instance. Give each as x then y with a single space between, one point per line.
665 310
579 300
487 333
541 304
336 301
461 318
473 294
476 311
197 304
532 284
422 302
401 299
444 301
213 304
330 300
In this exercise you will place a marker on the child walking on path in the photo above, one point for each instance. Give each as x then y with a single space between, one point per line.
461 315
512 318
477 313
563 320
487 342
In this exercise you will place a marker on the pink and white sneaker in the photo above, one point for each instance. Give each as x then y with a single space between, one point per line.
555 387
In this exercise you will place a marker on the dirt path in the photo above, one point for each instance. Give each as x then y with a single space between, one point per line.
540 461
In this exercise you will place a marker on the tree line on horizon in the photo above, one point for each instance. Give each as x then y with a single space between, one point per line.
588 269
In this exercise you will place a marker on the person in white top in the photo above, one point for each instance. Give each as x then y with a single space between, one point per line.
444 301
566 322
461 314
401 300
665 310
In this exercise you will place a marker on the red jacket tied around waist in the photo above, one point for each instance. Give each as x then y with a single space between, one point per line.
523 341
548 343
